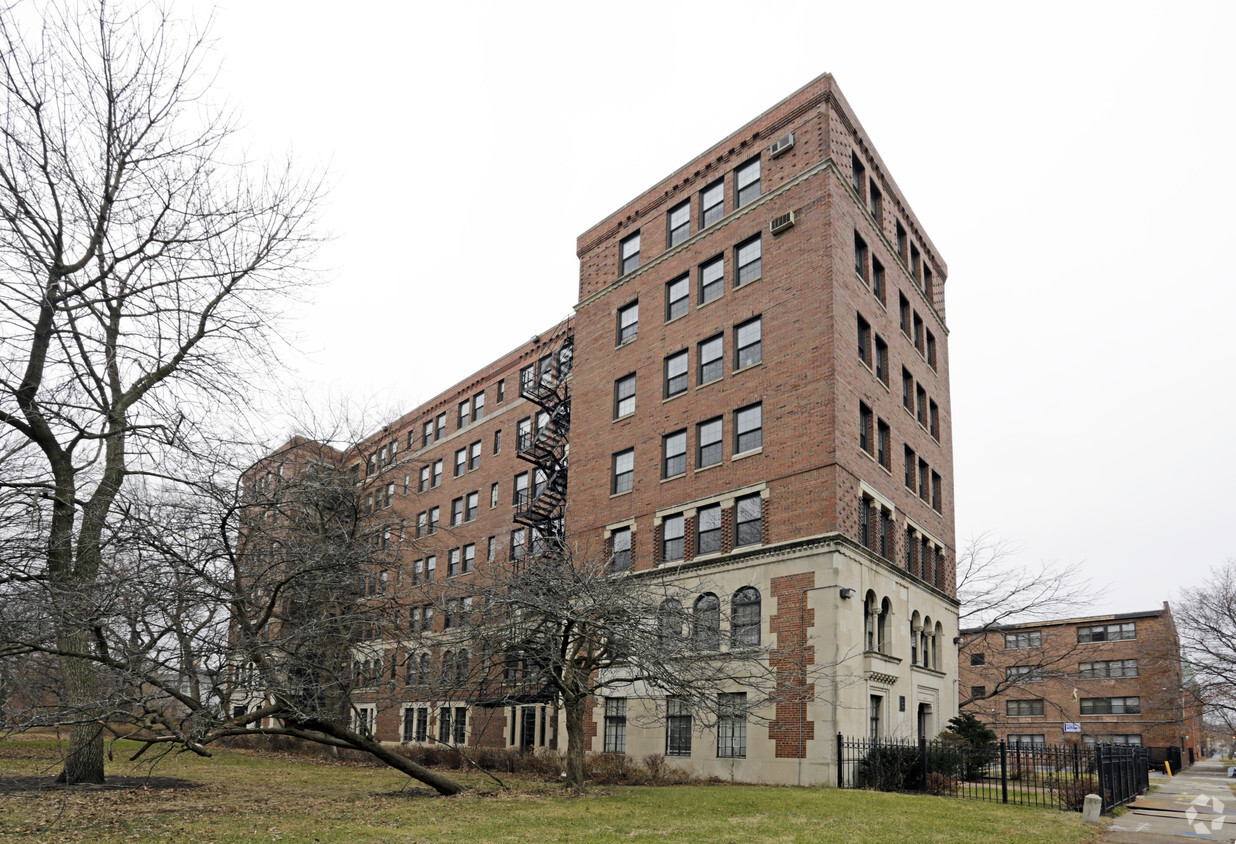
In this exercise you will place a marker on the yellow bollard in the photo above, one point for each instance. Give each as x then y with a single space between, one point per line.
1168 765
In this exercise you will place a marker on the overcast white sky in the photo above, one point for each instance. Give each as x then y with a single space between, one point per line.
1072 161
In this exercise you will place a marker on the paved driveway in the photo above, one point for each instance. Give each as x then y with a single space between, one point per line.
1196 804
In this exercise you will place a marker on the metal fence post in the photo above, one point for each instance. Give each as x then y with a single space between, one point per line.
1098 764
1004 772
840 762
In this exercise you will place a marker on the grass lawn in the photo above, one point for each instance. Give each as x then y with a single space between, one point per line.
245 796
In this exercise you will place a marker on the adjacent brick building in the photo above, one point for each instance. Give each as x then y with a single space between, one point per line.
1106 678
754 395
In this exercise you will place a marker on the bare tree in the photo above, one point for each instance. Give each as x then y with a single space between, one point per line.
141 263
1206 620
995 588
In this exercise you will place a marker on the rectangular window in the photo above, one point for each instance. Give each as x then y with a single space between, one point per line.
527 377
1111 705
523 434
677 298
620 549
748 521
1107 669
677 727
431 568
624 471
748 260
1026 639
1023 673
624 396
1019 708
712 280
933 419
708 530
469 558
877 279
928 282
865 430
918 331
711 356
748 341
474 456
427 434
747 182
732 725
936 489
461 461
674 454
1107 632
907 390
672 533
1024 740
924 481
437 473
520 487
881 360
628 322
615 725
452 570
456 512
676 374
748 428
883 435
915 264
501 391
465 412
860 257
920 405
875 704
471 504
679 222
901 241
904 313
931 350
629 252
858 175
708 441
864 340
518 543
498 441
978 659
440 432
712 203
910 476
875 202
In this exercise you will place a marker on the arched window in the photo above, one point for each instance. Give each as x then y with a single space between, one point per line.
422 676
745 618
411 666
669 623
886 614
869 621
706 622
936 636
461 666
448 666
916 625
924 644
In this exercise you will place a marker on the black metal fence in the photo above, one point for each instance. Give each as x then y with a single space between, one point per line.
1058 776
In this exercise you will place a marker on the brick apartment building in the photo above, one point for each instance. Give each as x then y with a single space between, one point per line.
754 395
1108 678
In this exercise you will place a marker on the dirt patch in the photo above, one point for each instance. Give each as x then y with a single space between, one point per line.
43 785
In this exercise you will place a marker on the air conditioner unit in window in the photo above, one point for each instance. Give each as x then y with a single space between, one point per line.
780 224
782 144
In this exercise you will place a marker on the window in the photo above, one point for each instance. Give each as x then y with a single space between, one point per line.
1024 740
520 496
452 570
858 174
1017 708
904 313
461 461
615 725
920 405
732 725
978 659
933 419
1023 673
708 530
712 280
456 511
431 568
474 455
748 520
907 390
881 360
745 618
674 454
624 471
620 549
672 532
877 279
860 257
629 254
677 298
931 350
501 391
1107 632
876 702
427 434
909 458
712 351
437 472
864 340
978 692
422 524
518 543
624 396
915 263
389 495
527 376
875 202
1131 740
523 434
883 435
489 549
748 428
747 182
1027 639
1111 705
936 491
712 203
708 442
676 374
469 560
498 441
864 428
706 622
679 222
1107 669
748 340
901 241
628 322
465 412
748 258
677 727
470 506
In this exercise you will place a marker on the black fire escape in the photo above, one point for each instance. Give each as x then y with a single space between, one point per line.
546 447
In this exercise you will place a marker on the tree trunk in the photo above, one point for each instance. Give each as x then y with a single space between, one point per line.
575 741
83 764
441 784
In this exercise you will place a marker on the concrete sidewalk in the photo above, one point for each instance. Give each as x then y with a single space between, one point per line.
1195 804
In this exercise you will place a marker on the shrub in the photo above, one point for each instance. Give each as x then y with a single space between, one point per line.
891 767
1071 794
940 783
